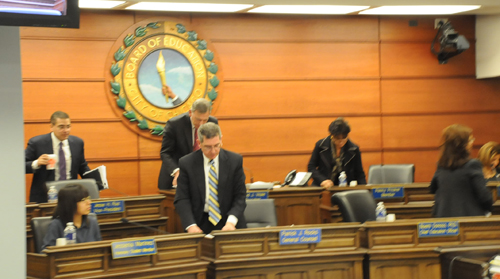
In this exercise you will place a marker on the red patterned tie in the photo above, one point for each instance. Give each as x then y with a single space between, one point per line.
196 146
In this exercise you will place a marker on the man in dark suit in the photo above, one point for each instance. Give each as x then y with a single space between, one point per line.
211 188
179 139
67 149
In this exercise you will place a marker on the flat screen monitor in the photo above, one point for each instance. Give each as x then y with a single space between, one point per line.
40 13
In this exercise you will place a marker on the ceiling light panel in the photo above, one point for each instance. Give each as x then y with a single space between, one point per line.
308 9
188 7
419 10
96 4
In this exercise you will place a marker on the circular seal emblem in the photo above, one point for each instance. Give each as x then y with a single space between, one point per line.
157 72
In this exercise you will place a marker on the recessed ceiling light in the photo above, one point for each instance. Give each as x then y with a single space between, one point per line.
188 7
419 10
97 4
308 9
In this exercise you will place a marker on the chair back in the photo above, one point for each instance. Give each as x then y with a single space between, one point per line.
355 205
39 225
89 184
260 213
396 173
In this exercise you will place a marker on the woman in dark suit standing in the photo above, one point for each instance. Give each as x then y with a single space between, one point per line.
334 154
458 184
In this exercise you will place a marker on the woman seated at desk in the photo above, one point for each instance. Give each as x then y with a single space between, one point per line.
334 154
458 183
73 205
489 155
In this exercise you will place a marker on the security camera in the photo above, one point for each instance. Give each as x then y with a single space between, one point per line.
450 43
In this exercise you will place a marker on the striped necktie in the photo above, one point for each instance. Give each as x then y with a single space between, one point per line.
62 163
213 196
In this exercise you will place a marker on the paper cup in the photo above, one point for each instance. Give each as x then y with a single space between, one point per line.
390 217
52 162
353 183
61 241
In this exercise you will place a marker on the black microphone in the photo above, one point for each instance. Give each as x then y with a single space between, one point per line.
126 221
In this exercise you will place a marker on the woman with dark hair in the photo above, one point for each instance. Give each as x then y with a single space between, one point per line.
335 154
73 205
489 156
458 184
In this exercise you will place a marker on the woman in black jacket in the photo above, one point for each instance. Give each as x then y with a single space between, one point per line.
334 154
458 184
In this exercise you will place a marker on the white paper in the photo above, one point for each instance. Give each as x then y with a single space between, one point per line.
102 173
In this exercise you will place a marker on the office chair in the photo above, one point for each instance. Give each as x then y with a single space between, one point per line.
89 184
39 225
396 173
355 205
260 213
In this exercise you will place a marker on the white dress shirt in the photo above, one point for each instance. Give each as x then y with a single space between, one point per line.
55 150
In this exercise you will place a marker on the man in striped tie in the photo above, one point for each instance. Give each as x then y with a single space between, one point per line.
211 188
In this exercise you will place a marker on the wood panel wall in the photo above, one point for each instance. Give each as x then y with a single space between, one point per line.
284 79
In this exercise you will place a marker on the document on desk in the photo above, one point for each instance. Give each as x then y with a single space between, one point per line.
301 179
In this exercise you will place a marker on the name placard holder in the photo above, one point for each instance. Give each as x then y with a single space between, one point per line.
300 236
257 195
107 207
433 229
388 192
133 248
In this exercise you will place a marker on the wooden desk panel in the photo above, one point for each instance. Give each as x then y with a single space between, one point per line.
395 251
178 256
294 206
146 210
256 253
416 204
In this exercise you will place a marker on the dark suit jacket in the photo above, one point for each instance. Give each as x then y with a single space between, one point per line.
321 162
191 193
43 145
177 142
461 192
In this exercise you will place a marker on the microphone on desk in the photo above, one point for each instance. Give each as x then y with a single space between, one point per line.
127 221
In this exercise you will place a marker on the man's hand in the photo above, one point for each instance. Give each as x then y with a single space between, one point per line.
326 184
43 160
194 229
176 175
168 91
229 227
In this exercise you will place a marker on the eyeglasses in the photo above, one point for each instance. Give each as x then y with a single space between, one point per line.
209 148
86 199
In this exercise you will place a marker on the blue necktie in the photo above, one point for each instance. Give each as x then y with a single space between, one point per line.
213 196
62 163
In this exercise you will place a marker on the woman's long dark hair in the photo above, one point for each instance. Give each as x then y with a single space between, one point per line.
454 151
67 200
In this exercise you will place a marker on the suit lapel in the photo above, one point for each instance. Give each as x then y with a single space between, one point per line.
188 133
49 149
223 175
74 159
199 174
